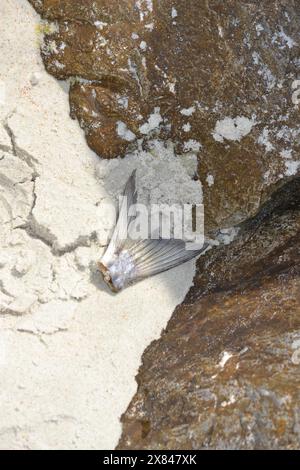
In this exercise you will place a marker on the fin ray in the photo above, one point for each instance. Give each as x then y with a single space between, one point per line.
155 256
120 233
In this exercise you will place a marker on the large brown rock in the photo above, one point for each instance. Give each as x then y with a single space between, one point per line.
225 373
215 77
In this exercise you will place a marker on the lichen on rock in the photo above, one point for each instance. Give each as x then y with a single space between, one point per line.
225 372
217 76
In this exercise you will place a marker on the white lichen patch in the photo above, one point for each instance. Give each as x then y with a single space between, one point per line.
281 39
143 46
153 122
188 111
286 153
144 7
220 31
100 24
296 357
259 28
288 134
264 71
172 86
123 102
149 26
292 167
174 13
149 5
224 359
227 235
229 402
263 139
186 127
124 132
233 128
192 145
210 180
58 64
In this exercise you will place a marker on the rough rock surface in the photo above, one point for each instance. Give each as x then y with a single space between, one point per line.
69 349
215 77
225 373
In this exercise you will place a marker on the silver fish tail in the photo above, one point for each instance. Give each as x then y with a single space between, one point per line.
126 261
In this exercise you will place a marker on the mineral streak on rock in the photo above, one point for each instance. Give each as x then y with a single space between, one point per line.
225 373
217 76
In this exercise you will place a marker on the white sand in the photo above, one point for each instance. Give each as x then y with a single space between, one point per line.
69 349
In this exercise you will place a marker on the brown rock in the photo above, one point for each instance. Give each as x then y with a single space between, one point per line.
225 373
195 66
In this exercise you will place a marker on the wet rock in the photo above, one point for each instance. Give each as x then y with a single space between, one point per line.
225 373
217 78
